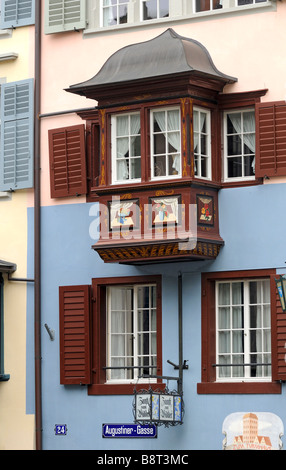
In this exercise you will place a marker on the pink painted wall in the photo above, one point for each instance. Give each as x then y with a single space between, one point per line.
248 46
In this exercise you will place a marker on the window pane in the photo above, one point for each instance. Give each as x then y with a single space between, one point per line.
240 142
255 317
237 341
224 342
238 317
135 168
160 166
159 144
224 317
114 12
126 147
173 119
153 9
234 145
224 294
234 167
237 293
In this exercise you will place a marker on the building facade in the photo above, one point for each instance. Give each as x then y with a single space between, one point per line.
160 230
17 429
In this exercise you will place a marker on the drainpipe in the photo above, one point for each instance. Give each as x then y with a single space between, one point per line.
180 333
37 230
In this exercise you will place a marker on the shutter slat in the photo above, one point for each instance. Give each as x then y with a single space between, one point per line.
75 335
271 139
278 334
67 161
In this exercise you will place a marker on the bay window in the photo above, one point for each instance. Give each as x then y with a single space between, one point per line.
126 147
239 145
165 143
202 143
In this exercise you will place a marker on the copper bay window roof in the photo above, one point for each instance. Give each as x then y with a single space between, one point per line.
166 55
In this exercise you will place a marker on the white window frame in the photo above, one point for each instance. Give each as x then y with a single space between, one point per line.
158 17
247 330
227 5
103 7
208 155
179 152
114 178
225 147
135 333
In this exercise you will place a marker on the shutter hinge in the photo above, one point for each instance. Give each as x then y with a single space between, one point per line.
93 299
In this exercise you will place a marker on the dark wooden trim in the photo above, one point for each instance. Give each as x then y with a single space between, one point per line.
239 388
122 389
99 285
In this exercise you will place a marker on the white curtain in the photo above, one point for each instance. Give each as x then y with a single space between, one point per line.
198 125
122 145
173 137
248 130
120 330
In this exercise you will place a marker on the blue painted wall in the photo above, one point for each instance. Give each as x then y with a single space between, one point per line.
253 225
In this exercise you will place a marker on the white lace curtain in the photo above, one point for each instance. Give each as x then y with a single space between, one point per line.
124 146
245 126
173 133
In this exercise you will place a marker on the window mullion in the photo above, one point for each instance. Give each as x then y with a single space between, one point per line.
246 310
135 331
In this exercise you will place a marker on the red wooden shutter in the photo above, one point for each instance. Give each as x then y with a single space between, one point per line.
67 161
270 139
278 334
75 351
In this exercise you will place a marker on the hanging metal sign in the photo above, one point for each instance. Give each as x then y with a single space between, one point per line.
159 408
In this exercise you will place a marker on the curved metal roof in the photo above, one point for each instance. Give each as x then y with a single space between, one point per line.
167 54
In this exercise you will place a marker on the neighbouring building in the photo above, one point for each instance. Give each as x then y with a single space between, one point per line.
17 426
157 227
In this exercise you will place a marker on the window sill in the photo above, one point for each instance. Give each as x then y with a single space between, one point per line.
239 10
4 377
238 388
122 389
236 184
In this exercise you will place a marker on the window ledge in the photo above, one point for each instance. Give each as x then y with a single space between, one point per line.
239 10
239 388
4 377
8 56
5 33
121 389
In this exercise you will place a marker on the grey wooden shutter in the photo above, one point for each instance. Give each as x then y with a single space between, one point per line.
64 15
17 135
17 13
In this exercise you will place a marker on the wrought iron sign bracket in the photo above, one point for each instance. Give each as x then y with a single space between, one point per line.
177 367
